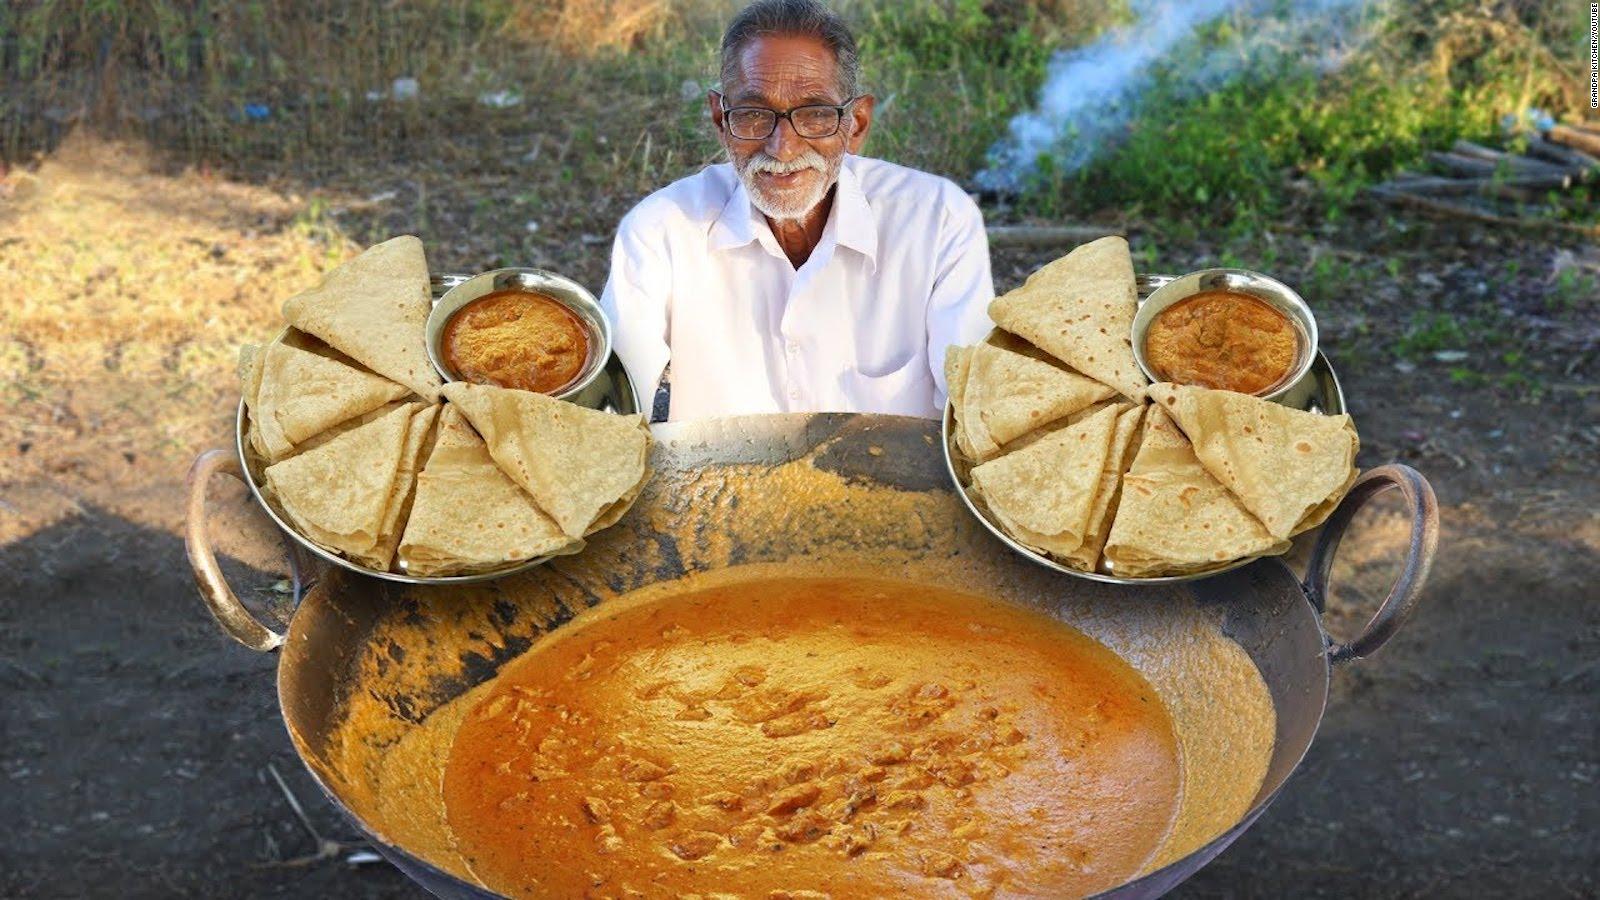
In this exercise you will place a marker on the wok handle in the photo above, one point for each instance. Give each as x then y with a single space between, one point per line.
220 599
1403 597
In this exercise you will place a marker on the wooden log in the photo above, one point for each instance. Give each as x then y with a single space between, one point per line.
1479 151
1510 161
1046 235
1473 167
1565 156
1576 138
1463 211
1459 186
1464 166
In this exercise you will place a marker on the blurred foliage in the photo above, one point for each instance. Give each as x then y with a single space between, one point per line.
1424 75
610 92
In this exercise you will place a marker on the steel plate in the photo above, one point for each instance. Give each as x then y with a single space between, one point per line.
1318 391
611 392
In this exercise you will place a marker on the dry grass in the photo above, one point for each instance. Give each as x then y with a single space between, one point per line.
582 27
116 355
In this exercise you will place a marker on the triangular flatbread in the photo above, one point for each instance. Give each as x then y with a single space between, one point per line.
300 394
1283 464
576 462
1087 556
957 366
250 357
468 516
374 309
1044 493
1080 309
333 433
336 494
1172 517
1008 394
1323 510
614 513
1039 434
402 490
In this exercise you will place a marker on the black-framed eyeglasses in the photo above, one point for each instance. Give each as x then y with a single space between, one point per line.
756 123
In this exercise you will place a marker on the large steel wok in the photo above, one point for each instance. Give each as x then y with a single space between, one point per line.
363 661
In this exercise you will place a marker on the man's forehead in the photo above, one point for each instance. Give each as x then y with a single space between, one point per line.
793 69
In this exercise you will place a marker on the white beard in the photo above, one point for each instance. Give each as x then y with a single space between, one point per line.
792 204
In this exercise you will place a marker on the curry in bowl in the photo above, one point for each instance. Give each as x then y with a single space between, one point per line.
1225 340
520 329
517 339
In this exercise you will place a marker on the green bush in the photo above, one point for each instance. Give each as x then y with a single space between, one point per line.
1235 149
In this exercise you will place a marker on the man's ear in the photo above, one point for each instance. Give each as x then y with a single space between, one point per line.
714 101
860 122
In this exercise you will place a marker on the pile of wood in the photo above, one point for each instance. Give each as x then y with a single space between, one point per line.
1505 188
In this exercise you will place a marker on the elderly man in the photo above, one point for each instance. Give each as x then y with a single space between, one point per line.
797 276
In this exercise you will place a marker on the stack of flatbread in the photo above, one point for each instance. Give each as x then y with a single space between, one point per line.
1073 453
364 452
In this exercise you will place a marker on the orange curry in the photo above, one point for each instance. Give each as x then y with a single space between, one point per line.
516 339
1223 340
806 737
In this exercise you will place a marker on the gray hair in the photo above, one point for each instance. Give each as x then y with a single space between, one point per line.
792 17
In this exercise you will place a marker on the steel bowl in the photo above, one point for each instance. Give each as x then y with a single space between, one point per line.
1317 390
565 291
1268 290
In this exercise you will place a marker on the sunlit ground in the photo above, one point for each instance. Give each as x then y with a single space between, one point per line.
129 293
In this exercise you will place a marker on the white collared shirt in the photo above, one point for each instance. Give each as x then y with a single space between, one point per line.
698 279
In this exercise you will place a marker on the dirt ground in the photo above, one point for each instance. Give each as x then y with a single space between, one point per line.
138 744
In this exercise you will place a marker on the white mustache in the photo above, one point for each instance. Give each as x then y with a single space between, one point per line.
809 159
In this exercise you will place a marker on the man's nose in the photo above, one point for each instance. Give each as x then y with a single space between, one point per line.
784 143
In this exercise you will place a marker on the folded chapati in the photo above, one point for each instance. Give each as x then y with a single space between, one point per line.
1043 495
1008 394
1045 431
957 372
1173 517
1087 556
576 462
971 439
299 394
611 514
468 515
401 492
1080 309
250 357
1287 466
337 493
374 308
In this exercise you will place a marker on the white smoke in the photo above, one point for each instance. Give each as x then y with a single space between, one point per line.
1090 94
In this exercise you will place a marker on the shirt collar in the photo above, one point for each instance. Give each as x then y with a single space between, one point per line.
735 225
857 223
854 223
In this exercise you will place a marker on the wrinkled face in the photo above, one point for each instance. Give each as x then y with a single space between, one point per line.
787 175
